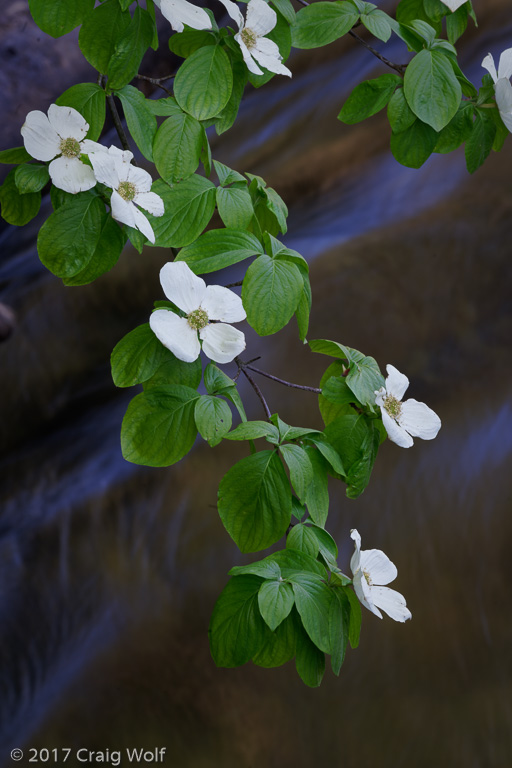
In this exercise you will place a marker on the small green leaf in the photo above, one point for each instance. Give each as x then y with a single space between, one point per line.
189 207
400 115
480 141
190 40
368 98
140 119
105 256
322 23
278 646
317 494
309 660
219 248
14 156
377 22
302 538
414 146
213 418
227 175
228 115
16 208
30 177
252 430
271 292
137 357
275 601
354 630
301 470
235 207
313 600
177 147
130 48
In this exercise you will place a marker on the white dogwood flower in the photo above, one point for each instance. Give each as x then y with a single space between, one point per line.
502 86
180 12
255 47
403 421
372 569
453 4
202 305
60 135
131 187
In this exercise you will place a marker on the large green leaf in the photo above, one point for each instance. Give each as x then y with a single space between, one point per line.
255 501
432 89
101 32
68 238
368 98
137 357
159 428
130 48
356 440
219 248
271 292
105 256
237 630
321 23
204 82
413 146
177 147
278 646
189 207
480 140
58 17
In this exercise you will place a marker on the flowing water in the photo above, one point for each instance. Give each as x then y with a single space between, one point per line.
109 572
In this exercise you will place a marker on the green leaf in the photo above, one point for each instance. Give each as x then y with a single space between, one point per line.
189 207
480 141
177 147
58 17
303 309
14 156
354 629
277 206
317 494
292 561
278 646
313 600
329 410
457 131
275 601
30 177
456 24
219 248
237 630
105 255
302 538
89 99
301 469
217 383
130 49
327 450
16 208
356 441
235 207
414 146
252 430
267 569
339 622
213 418
368 98
159 428
271 292
400 115
67 240
228 115
376 22
140 120
364 376
322 23
337 391
204 82
431 88
101 31
174 371
309 660
190 40
137 357
286 9
163 107
227 175
255 501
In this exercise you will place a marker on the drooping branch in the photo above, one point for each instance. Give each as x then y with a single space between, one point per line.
241 367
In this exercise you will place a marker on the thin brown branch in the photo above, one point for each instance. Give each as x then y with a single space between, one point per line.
241 367
283 381
117 122
157 81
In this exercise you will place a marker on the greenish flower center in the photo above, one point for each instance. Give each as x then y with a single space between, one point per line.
393 406
249 37
127 190
198 319
70 148
368 579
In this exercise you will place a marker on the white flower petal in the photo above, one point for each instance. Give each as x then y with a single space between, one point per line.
378 566
222 343
453 4
176 334
503 92
391 602
507 120
395 432
104 168
87 146
143 225
266 53
67 122
71 175
122 210
234 11
260 18
249 61
488 64
222 304
40 139
180 12
151 203
505 65
141 178
419 420
396 382
181 286
354 562
380 396
364 593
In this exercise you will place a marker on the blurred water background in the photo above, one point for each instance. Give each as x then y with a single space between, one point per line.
109 572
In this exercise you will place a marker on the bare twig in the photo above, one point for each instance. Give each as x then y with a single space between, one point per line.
241 367
158 82
117 122
283 381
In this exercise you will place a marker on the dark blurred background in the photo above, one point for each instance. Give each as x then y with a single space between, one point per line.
109 572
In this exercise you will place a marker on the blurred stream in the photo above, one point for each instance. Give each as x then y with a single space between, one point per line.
109 572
